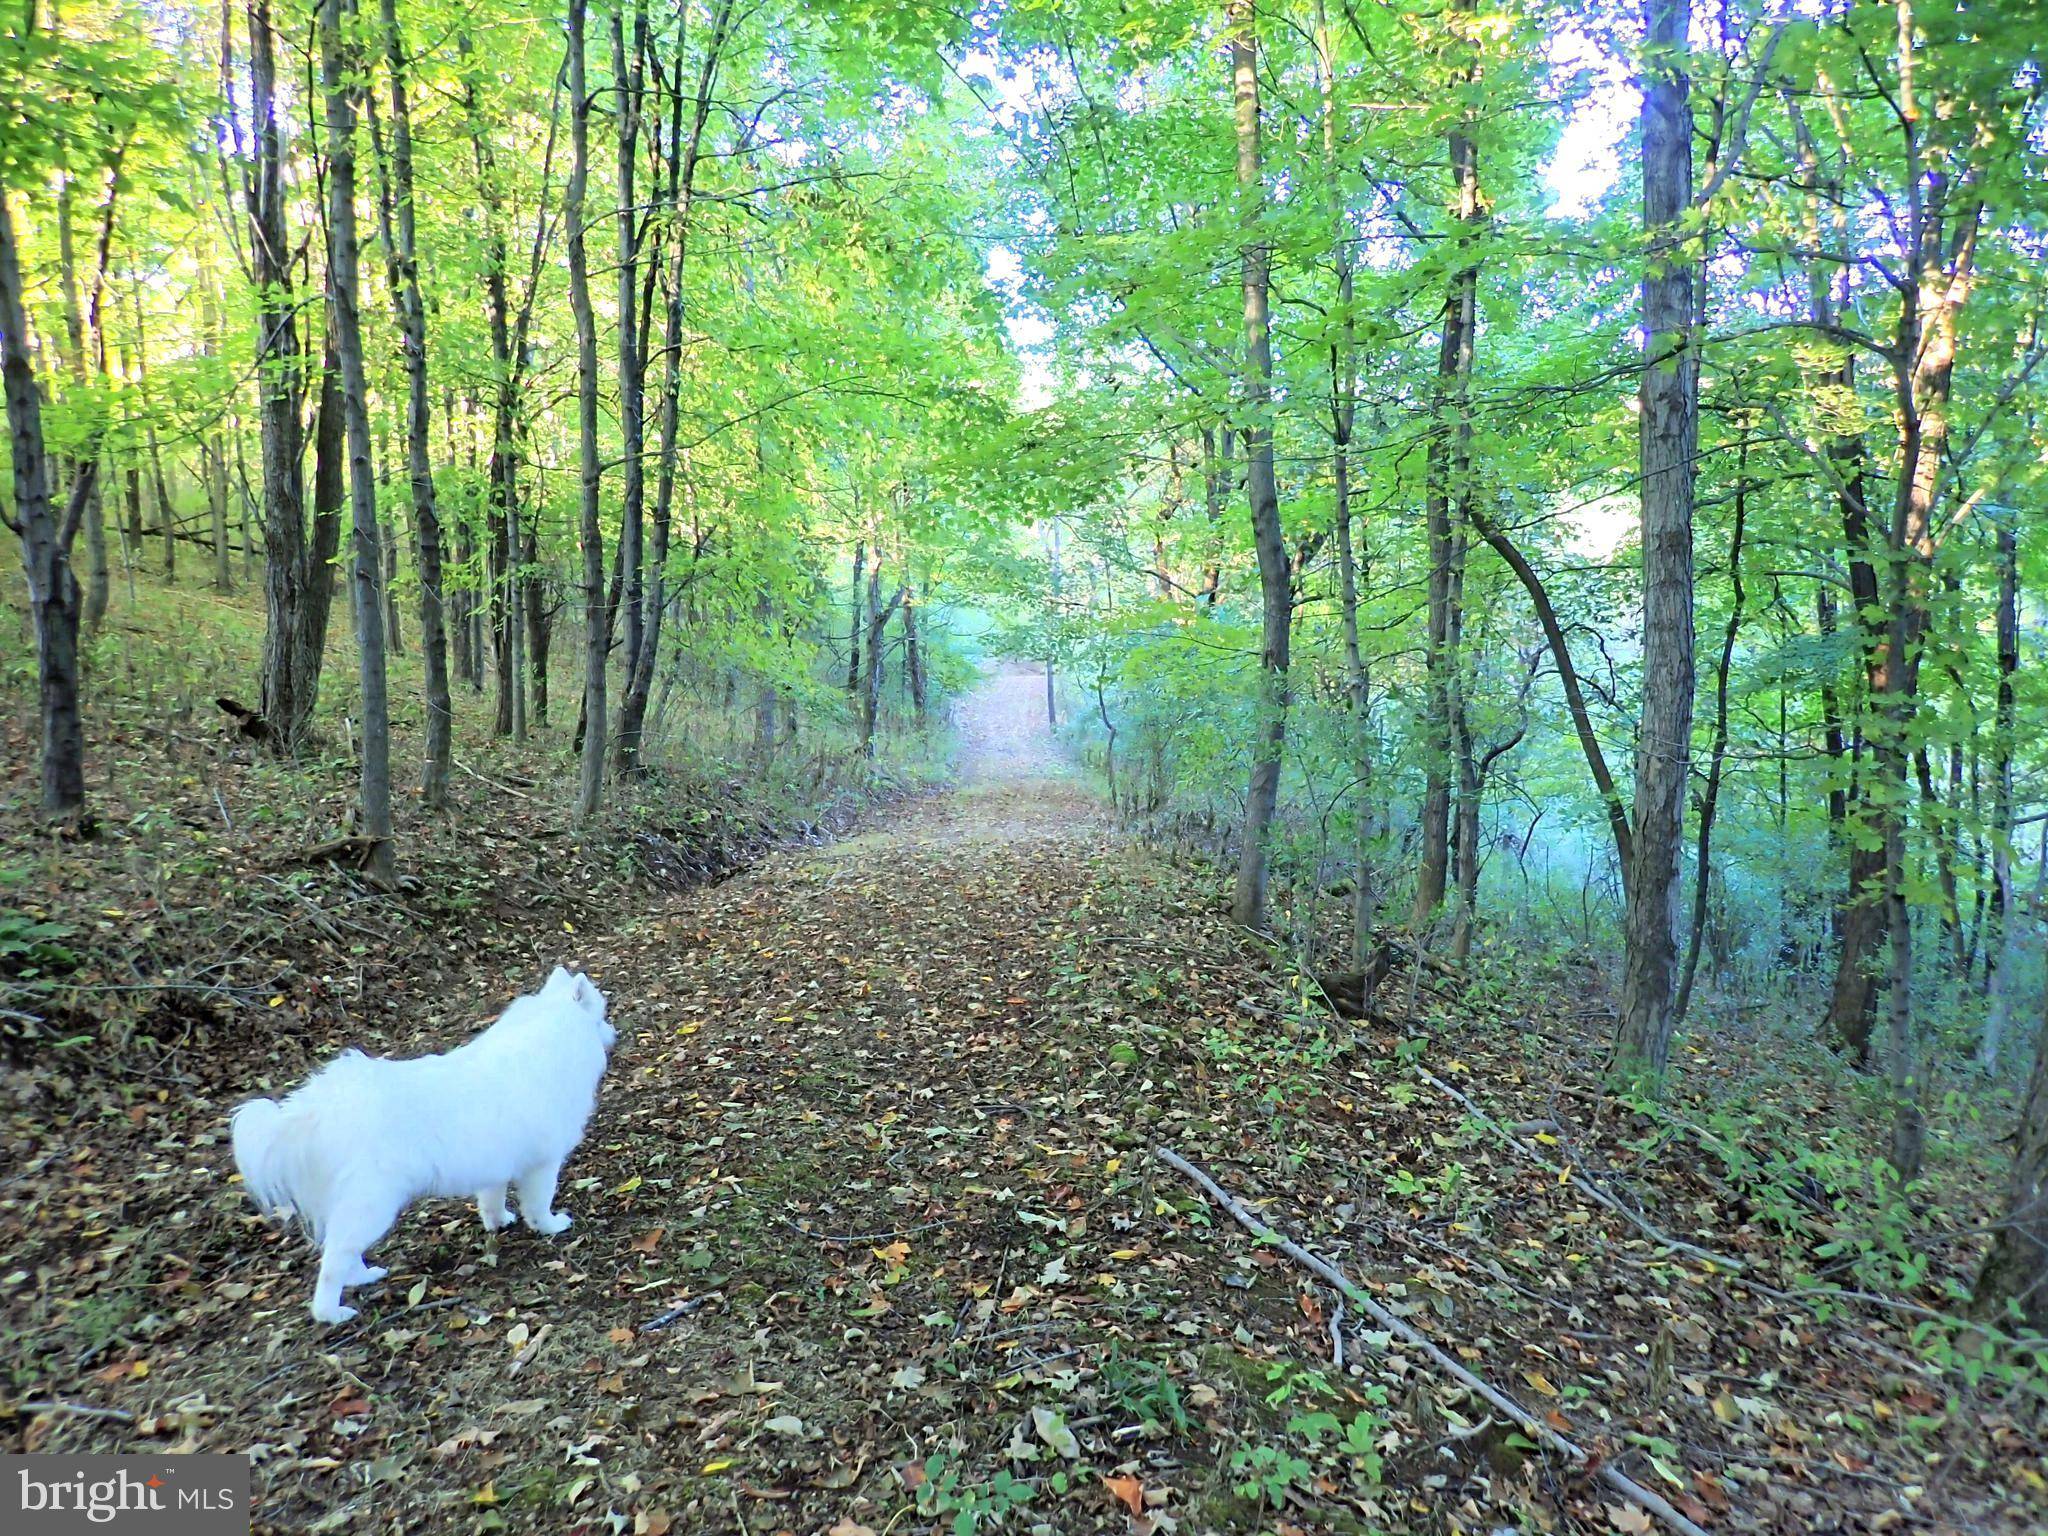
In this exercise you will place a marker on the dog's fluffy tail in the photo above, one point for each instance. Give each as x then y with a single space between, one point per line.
278 1155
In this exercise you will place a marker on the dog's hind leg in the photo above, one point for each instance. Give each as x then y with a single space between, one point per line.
490 1204
348 1230
537 1199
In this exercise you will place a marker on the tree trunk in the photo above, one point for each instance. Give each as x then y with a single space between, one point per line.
628 92
98 577
298 584
1447 493
1710 796
2015 1272
871 682
540 629
401 244
596 630
1859 921
340 74
913 657
1668 423
1343 421
215 457
1276 593
214 453
1568 683
681 194
1052 692
860 565
46 534
2001 945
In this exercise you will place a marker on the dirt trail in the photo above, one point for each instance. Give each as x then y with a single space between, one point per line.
868 1239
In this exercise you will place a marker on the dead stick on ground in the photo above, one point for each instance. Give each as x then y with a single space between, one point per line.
1728 1262
1629 1489
82 1410
1585 1185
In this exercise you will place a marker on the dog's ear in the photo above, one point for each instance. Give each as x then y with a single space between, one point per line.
559 978
579 994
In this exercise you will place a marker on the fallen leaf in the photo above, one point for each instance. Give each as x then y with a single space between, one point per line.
1127 1491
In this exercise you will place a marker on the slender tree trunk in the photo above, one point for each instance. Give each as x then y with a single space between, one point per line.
1052 692
1276 592
401 244
596 629
340 73
387 590
2002 945
2015 1272
215 451
1447 494
879 614
540 628
166 513
1568 683
98 578
1859 921
1710 796
1343 421
1668 421
860 565
298 584
46 533
628 92
244 500
913 657
681 194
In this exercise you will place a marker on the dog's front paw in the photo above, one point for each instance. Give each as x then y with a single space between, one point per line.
332 1314
369 1274
548 1223
498 1222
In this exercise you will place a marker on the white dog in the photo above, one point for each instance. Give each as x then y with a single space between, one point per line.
367 1136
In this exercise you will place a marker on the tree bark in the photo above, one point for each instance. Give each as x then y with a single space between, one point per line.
1343 421
1668 422
913 656
596 629
684 162
1447 498
860 564
628 93
401 244
2015 1272
46 534
1710 795
1276 593
871 681
298 584
340 73
2002 944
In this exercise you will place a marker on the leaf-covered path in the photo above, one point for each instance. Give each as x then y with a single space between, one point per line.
888 1108
869 1238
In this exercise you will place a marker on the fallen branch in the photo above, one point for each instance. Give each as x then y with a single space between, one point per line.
493 783
1807 1297
1534 1427
81 1410
1584 1185
676 1314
